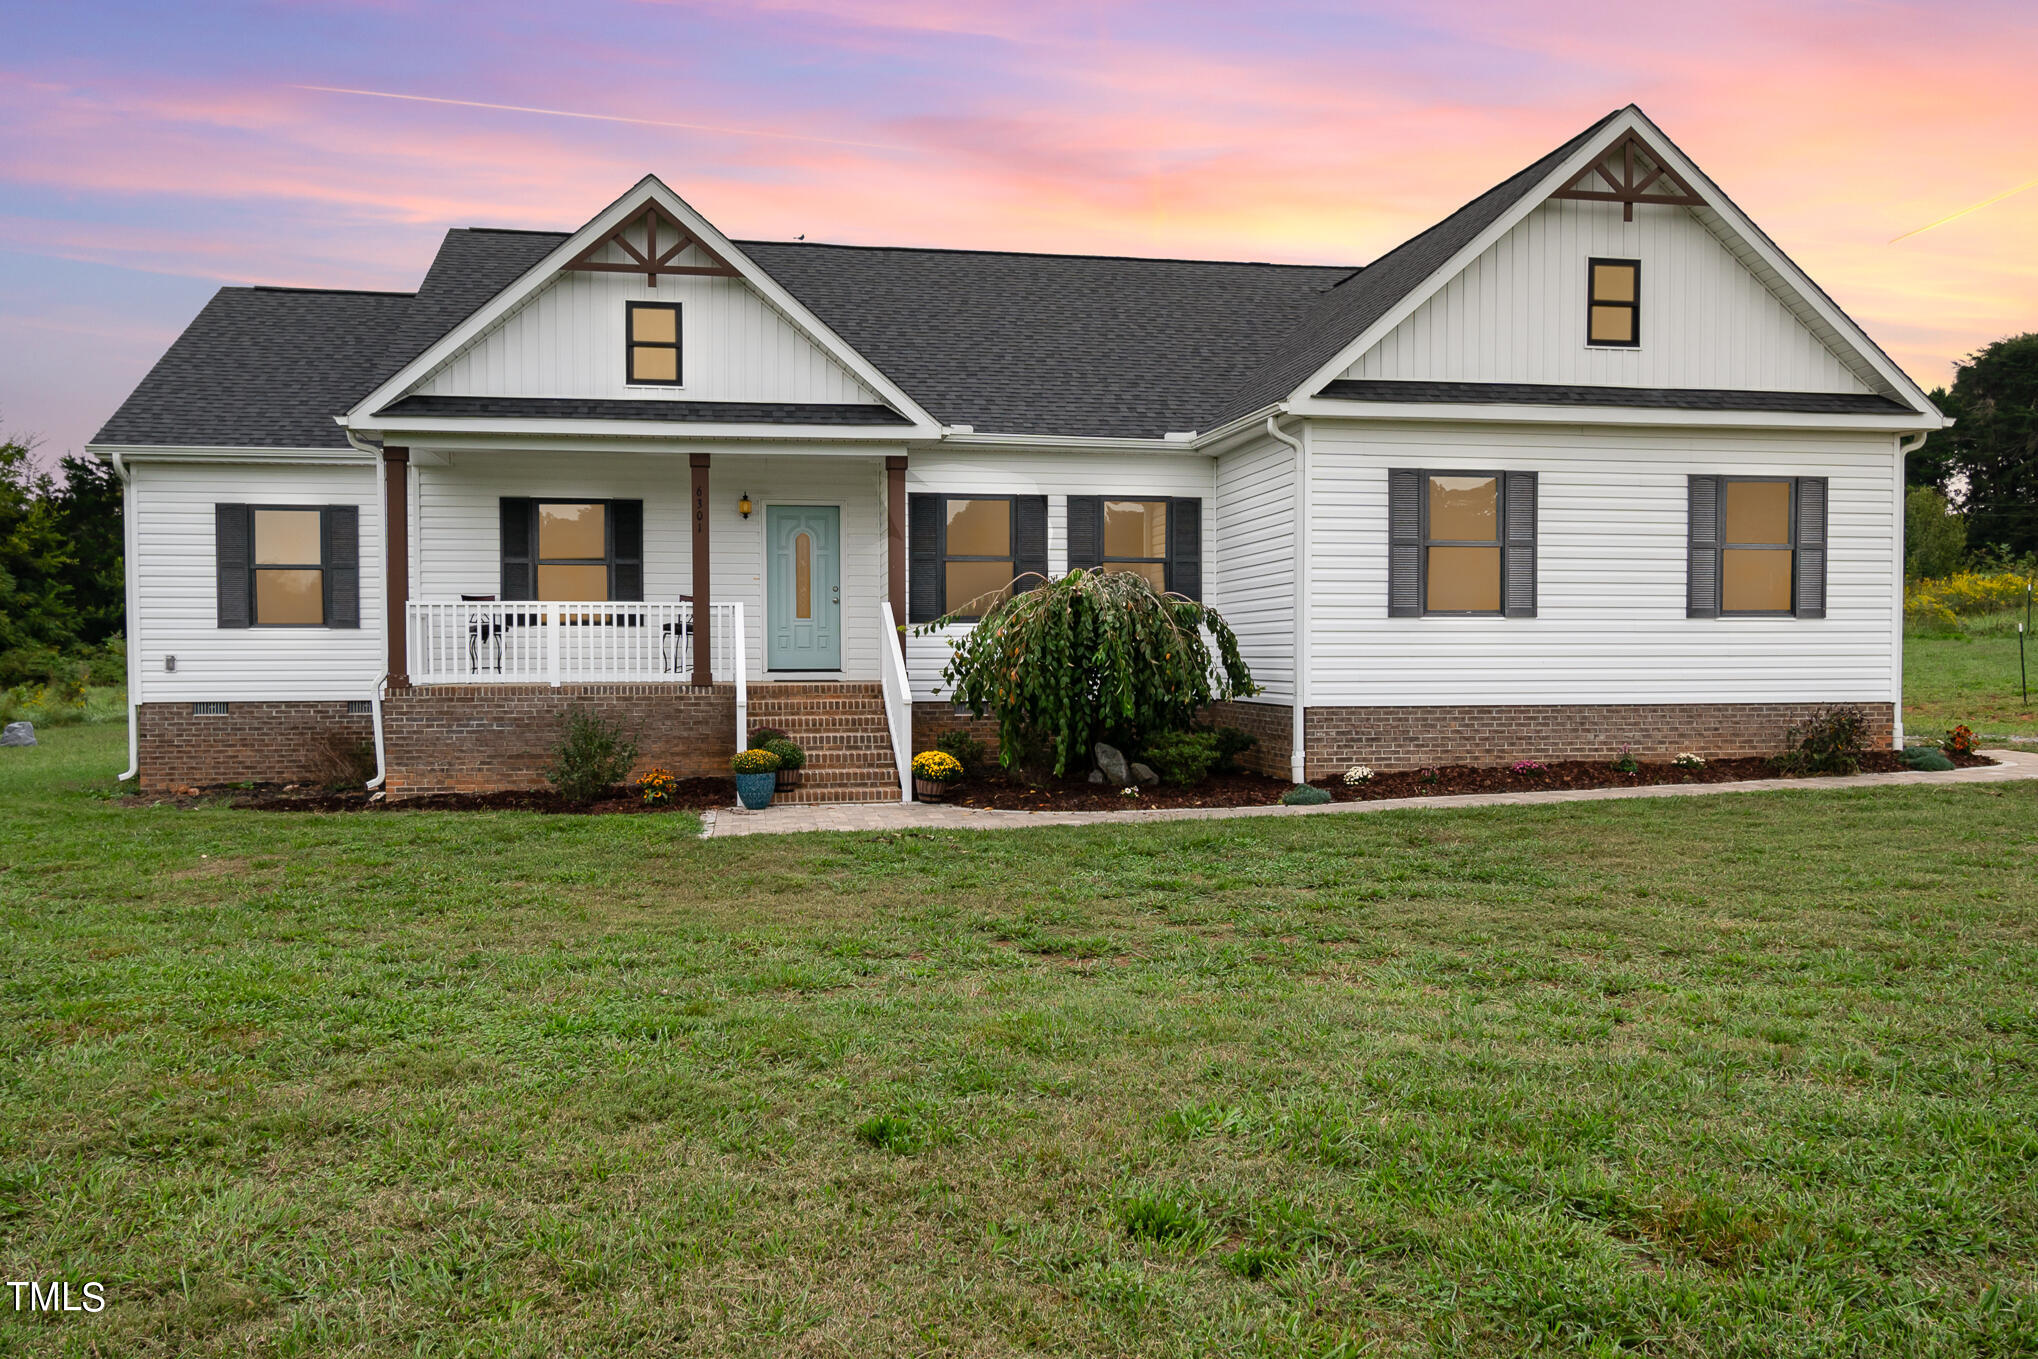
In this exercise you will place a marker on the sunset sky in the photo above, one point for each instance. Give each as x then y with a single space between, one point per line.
151 152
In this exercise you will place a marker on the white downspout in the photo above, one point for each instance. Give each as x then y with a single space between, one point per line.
1298 765
127 571
375 694
1904 448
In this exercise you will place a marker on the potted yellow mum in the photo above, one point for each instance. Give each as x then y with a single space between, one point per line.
935 774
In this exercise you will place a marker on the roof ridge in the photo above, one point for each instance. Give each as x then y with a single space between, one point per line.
295 288
513 231
1050 255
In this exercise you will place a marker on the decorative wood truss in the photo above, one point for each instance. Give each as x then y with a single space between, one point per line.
650 261
1631 172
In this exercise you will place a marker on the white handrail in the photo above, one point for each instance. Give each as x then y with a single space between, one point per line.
457 641
742 668
898 698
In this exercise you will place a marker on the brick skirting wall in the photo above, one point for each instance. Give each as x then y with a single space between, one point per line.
250 742
1273 725
933 719
473 738
1489 734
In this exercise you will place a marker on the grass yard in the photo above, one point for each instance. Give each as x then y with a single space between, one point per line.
1970 678
1737 1075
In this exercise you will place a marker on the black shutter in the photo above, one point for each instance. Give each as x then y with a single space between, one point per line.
519 580
923 558
340 555
1810 593
1185 547
1702 578
626 549
1404 544
1029 539
230 534
1518 552
1086 532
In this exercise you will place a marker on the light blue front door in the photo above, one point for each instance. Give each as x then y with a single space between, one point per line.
803 587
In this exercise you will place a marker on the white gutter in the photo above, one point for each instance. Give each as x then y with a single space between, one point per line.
375 695
1297 763
127 571
1906 444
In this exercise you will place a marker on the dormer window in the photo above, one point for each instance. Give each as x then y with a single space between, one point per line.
653 344
1614 304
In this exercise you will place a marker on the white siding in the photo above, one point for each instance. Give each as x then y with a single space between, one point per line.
1517 313
1611 626
1255 546
459 530
1056 476
567 340
176 589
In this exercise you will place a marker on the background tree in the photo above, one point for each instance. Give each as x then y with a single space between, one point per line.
1993 447
36 614
86 503
1935 538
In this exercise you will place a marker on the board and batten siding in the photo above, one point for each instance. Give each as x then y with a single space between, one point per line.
176 588
458 542
1517 313
1611 563
567 341
1254 579
1057 476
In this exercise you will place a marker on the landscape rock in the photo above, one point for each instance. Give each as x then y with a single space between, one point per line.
1096 776
1145 775
1111 762
18 734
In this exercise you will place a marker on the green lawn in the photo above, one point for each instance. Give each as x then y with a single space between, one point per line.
1729 1075
1971 679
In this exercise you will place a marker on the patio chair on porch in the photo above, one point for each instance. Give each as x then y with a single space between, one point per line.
671 640
485 628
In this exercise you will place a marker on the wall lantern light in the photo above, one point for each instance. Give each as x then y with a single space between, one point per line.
743 505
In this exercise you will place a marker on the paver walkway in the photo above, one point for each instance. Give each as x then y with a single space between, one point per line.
871 816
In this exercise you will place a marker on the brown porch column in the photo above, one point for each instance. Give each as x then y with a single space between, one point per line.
895 536
703 672
396 566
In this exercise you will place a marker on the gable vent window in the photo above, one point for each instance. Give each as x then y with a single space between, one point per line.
1614 306
1160 538
1461 543
653 343
288 566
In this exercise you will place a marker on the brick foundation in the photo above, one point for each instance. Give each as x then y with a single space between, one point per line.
934 720
1408 738
484 738
1273 726
250 742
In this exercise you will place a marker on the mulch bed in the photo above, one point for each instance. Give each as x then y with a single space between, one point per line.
1002 791
689 795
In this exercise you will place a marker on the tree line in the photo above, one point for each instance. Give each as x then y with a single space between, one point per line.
63 604
1974 487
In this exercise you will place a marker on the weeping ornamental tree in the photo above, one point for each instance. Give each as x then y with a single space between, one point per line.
1090 657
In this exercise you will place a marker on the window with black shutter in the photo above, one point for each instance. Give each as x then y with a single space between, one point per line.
1757 547
572 550
288 566
967 554
1157 537
1461 543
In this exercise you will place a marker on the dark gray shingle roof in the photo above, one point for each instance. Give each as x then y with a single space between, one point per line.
1661 398
473 265
261 368
711 412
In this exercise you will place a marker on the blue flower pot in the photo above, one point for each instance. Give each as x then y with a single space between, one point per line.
755 790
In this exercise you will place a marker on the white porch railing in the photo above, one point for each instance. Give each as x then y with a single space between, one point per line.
898 698
568 642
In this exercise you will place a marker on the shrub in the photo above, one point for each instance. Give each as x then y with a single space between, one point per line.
937 765
593 757
966 749
1625 762
790 756
1531 768
341 761
1304 795
1928 758
1092 656
755 760
1830 741
759 735
658 786
1959 741
1358 774
1939 605
1182 758
1231 743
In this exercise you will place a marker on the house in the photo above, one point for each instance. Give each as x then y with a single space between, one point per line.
1589 463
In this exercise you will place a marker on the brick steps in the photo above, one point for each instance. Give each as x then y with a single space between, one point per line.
843 729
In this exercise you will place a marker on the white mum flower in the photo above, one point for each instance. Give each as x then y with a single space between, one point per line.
1359 773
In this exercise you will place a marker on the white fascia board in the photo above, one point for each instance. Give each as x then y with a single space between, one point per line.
1324 408
196 453
1073 443
425 446
411 429
1631 119
646 190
